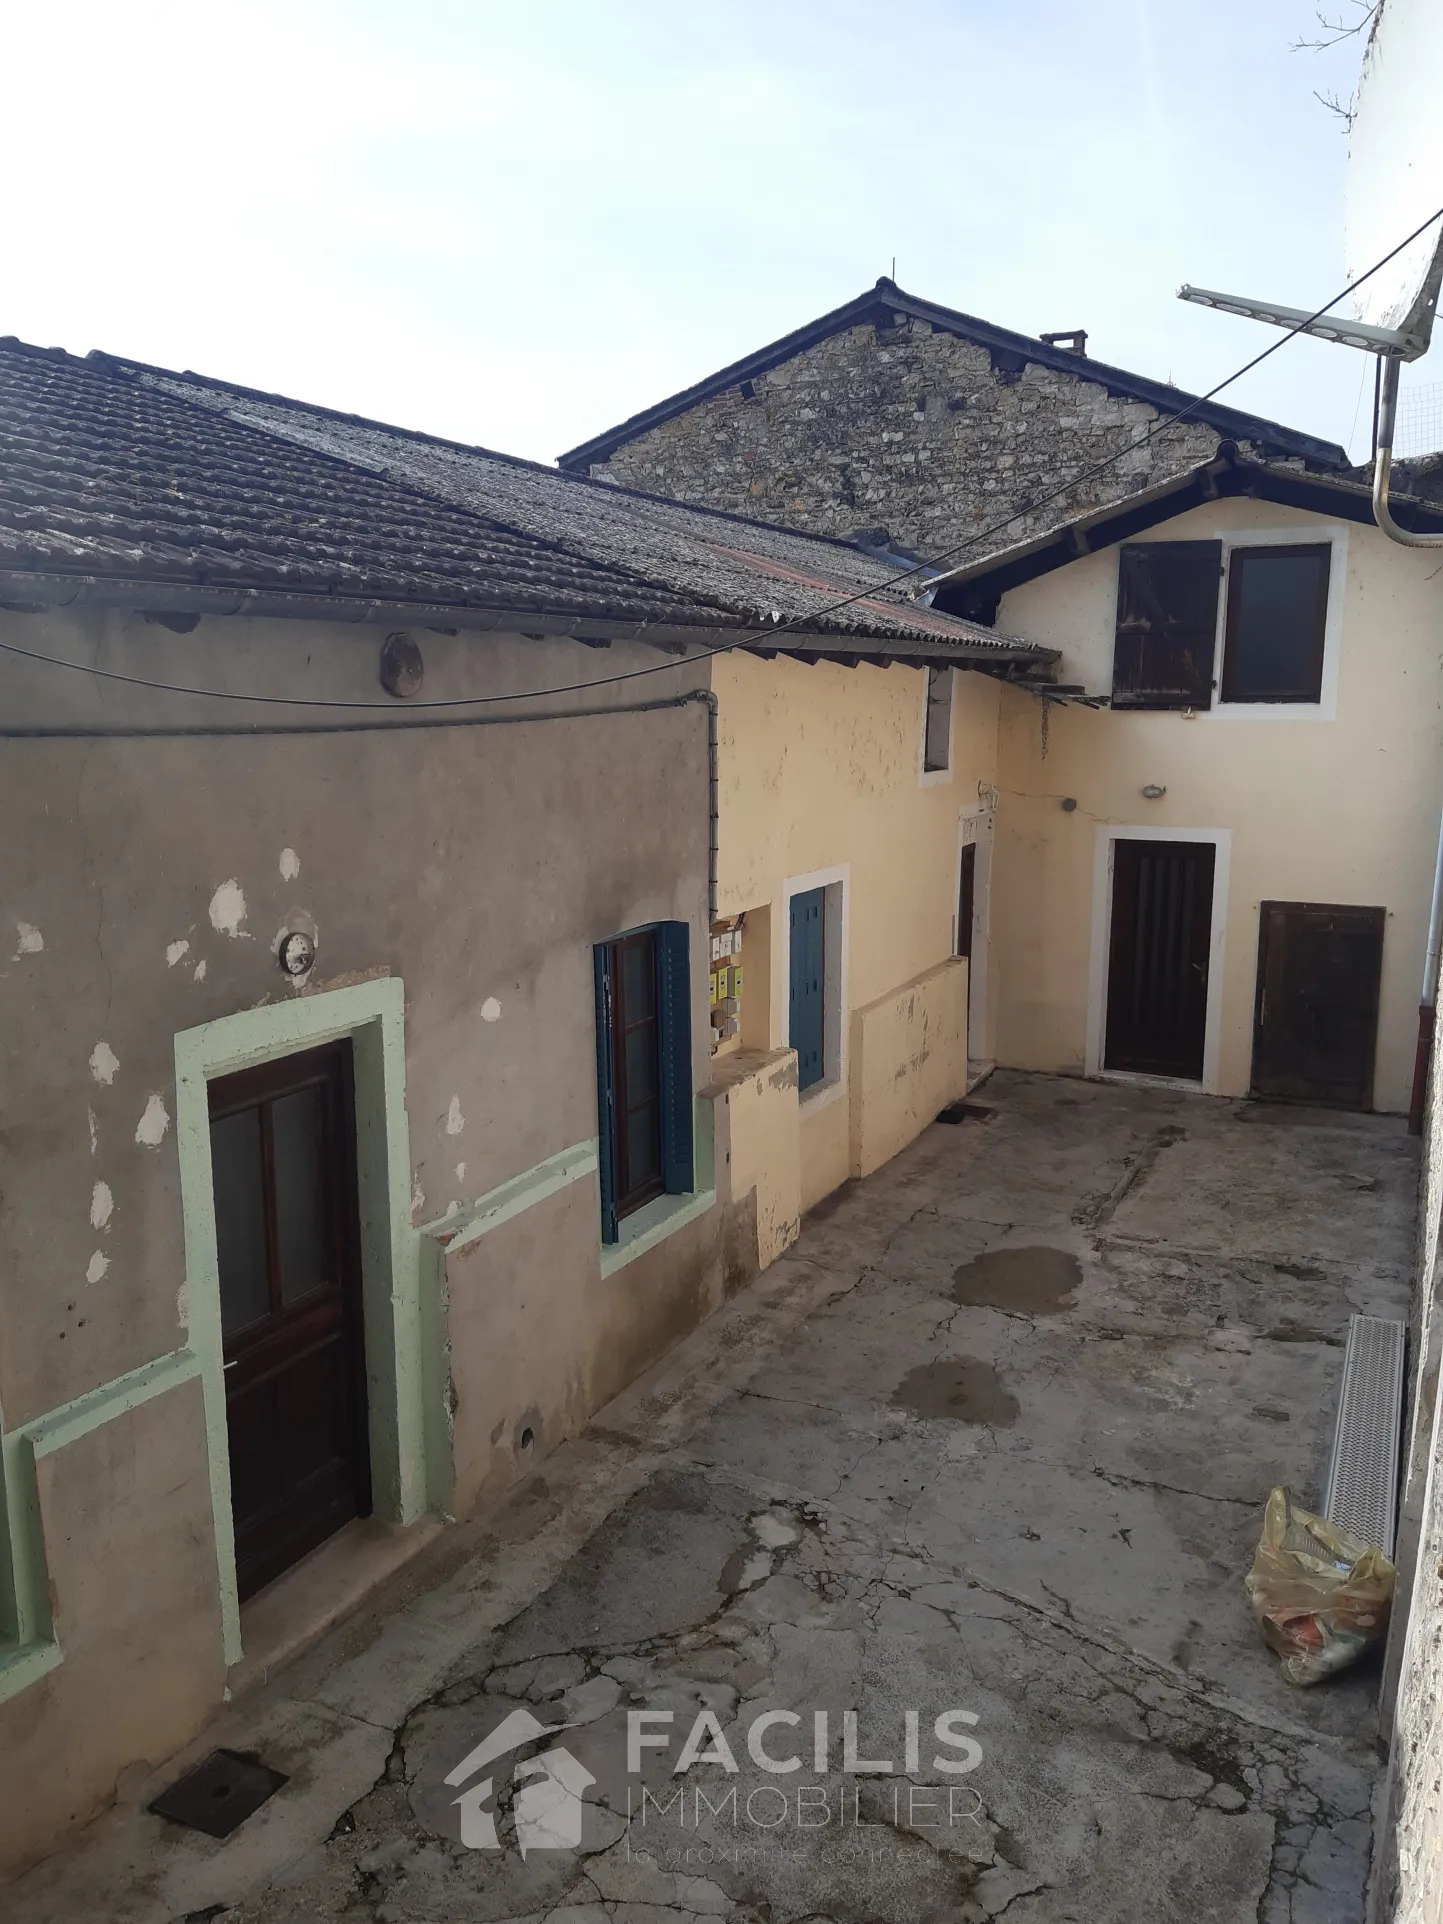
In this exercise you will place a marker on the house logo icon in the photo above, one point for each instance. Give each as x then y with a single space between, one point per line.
549 1793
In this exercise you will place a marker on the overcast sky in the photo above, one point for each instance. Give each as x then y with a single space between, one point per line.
518 223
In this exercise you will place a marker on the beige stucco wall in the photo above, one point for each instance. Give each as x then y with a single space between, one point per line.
478 866
820 771
758 1153
909 1060
1342 810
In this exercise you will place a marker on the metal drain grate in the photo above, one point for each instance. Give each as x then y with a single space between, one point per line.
966 1112
1363 1477
219 1794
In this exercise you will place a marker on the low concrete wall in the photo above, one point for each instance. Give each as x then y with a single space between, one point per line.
140 1633
758 1156
909 1060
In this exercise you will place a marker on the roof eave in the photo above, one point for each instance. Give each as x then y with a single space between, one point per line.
971 592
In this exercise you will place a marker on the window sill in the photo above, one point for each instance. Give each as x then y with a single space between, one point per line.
933 777
820 1094
650 1226
24 1664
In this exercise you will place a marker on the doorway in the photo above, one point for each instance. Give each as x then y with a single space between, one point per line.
1315 1028
283 1158
1160 939
974 869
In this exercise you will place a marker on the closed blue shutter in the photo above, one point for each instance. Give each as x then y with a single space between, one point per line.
807 971
673 1006
605 1095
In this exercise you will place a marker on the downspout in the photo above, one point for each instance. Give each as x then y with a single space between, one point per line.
1383 462
708 695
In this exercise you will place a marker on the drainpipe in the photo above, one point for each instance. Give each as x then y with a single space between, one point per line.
1428 1004
1383 464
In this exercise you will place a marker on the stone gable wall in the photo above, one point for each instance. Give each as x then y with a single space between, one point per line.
907 429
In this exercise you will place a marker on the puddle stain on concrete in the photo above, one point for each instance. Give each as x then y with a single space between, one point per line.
1035 1281
963 1389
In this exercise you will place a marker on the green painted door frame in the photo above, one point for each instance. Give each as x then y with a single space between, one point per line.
371 1014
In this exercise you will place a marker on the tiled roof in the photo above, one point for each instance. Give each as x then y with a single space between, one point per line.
115 468
105 475
887 299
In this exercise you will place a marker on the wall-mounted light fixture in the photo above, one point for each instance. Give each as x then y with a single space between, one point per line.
1153 792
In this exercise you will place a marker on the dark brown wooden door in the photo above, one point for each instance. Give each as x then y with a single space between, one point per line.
966 900
1316 1025
283 1157
1157 981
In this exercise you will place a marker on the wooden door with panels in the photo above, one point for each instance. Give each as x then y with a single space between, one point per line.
1158 957
1315 1031
283 1159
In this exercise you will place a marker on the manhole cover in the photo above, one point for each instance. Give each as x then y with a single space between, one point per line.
219 1794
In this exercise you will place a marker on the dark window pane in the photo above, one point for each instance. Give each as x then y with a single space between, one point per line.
641 1064
1277 603
235 1154
638 978
643 1154
1167 606
304 1259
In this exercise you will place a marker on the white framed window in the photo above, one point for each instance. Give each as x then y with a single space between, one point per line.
1305 570
936 764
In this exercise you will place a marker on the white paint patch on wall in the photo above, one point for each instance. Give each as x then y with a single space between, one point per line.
290 865
418 1195
90 1124
460 1172
199 972
97 1266
174 951
455 1121
104 1062
228 909
102 1205
29 940
150 1130
490 1010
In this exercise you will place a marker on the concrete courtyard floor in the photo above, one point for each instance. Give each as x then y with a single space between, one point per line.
994 1437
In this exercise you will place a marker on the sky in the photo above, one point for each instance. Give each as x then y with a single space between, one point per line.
516 224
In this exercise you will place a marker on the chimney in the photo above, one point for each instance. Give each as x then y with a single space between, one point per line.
1074 339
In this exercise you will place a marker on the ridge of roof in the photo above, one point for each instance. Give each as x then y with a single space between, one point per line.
1231 422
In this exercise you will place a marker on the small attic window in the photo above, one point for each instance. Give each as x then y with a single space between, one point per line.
748 391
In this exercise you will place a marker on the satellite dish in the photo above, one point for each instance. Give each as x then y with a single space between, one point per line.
1395 171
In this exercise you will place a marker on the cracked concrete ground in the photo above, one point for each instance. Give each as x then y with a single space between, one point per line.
994 1437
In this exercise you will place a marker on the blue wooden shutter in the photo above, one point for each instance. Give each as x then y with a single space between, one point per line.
673 1006
805 1029
605 1094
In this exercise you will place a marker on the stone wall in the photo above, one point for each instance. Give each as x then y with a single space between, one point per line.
909 429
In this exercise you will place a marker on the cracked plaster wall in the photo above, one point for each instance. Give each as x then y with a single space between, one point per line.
155 878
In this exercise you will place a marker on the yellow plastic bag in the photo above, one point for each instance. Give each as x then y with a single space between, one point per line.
1320 1594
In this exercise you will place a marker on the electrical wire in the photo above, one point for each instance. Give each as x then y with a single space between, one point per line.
927 568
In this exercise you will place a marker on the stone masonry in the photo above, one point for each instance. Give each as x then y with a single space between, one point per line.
910 429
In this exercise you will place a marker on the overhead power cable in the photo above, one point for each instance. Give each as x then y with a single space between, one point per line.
927 569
